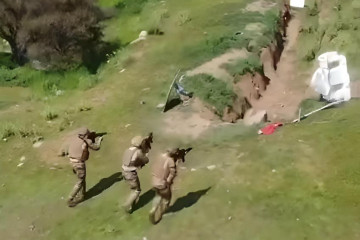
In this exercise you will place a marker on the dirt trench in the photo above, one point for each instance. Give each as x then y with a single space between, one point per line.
279 89
271 95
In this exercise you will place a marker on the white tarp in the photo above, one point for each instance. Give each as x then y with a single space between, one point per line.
297 3
332 79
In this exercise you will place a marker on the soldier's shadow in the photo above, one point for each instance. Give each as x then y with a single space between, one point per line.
187 201
103 184
144 199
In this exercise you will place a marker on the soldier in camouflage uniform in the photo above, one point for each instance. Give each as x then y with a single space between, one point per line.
78 152
163 174
134 159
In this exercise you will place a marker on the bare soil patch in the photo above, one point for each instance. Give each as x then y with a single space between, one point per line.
287 87
260 6
190 121
215 66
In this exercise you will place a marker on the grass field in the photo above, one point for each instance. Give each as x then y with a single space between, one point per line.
300 183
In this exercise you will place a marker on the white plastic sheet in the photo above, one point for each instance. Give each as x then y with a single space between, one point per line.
332 79
297 3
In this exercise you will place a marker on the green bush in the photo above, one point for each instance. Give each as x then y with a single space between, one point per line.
7 130
314 10
49 114
212 91
241 67
183 17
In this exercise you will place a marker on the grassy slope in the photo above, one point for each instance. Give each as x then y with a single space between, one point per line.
312 195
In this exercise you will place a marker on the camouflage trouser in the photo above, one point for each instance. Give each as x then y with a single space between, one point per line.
79 169
162 198
133 181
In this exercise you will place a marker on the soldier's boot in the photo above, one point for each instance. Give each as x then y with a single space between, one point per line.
71 202
79 189
165 205
133 197
156 204
81 194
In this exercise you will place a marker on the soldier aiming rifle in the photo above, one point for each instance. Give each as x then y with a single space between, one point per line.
134 159
164 172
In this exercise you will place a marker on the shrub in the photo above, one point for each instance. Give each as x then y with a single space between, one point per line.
241 67
183 17
314 10
49 114
53 33
7 130
211 90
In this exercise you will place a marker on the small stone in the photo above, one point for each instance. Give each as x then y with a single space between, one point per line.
143 34
122 70
127 125
20 164
229 218
144 238
193 170
142 102
298 219
145 89
23 158
274 170
227 190
52 168
241 155
62 198
212 167
37 144
59 92
160 105
5 140
32 227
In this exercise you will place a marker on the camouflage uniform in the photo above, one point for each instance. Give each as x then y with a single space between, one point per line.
134 158
78 153
163 174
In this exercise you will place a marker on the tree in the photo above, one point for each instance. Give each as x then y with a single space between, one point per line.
56 32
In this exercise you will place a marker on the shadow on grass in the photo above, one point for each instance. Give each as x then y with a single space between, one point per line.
144 199
188 200
172 103
103 184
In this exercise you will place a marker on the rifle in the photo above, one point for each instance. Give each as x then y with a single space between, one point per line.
182 153
93 135
148 141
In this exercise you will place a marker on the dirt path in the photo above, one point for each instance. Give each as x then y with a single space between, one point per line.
259 6
287 87
215 66
190 121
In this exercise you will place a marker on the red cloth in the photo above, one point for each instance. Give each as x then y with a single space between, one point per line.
270 129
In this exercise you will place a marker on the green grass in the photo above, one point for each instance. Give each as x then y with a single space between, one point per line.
212 91
338 33
313 193
241 67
